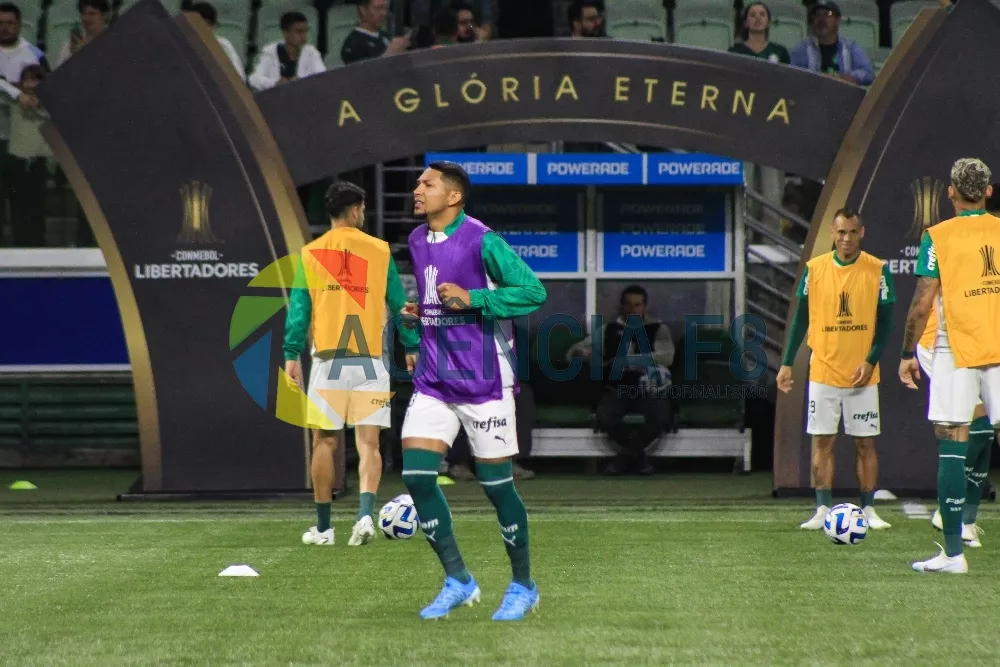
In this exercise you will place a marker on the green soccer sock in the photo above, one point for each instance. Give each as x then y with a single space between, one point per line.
824 498
498 483
977 466
420 473
951 492
323 517
867 499
366 505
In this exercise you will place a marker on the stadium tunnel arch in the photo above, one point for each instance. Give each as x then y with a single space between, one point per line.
538 90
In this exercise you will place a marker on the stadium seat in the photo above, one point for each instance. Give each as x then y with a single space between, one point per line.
860 22
269 22
878 58
704 23
62 17
31 19
340 23
788 23
904 13
639 30
635 10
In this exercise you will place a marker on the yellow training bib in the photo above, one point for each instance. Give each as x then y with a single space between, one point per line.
964 250
843 300
346 272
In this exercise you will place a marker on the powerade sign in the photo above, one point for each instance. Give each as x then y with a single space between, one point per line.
542 226
489 168
590 169
690 169
596 168
668 232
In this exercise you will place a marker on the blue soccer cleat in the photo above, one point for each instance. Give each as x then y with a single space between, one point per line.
518 601
454 594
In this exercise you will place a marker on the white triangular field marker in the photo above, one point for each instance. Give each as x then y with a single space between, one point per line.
239 571
882 494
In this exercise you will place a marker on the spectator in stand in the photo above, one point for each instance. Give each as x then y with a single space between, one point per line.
289 60
207 12
423 12
368 39
755 42
586 18
93 21
16 53
755 36
639 389
468 28
29 155
827 52
445 26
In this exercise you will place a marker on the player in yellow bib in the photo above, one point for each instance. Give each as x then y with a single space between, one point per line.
977 462
845 302
956 261
344 283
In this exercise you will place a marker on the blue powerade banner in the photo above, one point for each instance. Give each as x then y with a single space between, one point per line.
597 168
489 168
654 231
542 226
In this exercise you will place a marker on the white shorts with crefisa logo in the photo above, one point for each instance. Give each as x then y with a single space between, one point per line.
858 406
955 392
490 426
347 393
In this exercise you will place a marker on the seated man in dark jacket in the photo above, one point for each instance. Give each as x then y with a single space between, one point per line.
640 389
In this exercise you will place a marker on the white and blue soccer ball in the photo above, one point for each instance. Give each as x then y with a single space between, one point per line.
846 524
398 518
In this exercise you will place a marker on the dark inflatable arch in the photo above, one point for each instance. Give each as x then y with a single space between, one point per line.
149 122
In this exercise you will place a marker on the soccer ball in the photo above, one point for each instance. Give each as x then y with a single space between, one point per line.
846 524
398 519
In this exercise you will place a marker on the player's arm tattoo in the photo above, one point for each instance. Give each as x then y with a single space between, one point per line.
920 310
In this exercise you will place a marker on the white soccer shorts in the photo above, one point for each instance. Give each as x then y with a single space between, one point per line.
348 393
955 392
858 406
490 426
926 359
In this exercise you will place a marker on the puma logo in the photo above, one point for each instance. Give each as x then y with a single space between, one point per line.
430 536
503 440
508 540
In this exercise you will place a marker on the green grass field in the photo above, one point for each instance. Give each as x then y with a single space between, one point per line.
692 570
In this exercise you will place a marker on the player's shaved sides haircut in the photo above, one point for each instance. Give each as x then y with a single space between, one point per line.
971 177
849 214
454 176
341 196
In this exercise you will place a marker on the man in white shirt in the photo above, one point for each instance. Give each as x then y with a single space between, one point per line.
93 20
289 60
207 12
16 53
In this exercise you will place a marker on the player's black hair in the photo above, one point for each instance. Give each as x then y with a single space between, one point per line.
100 5
10 8
288 19
575 12
744 33
637 290
445 23
340 196
849 214
206 11
455 176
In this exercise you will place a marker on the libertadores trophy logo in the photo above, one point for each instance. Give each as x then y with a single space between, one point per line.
926 193
989 263
196 228
845 305
256 338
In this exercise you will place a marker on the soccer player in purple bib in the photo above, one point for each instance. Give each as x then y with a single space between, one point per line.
470 284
